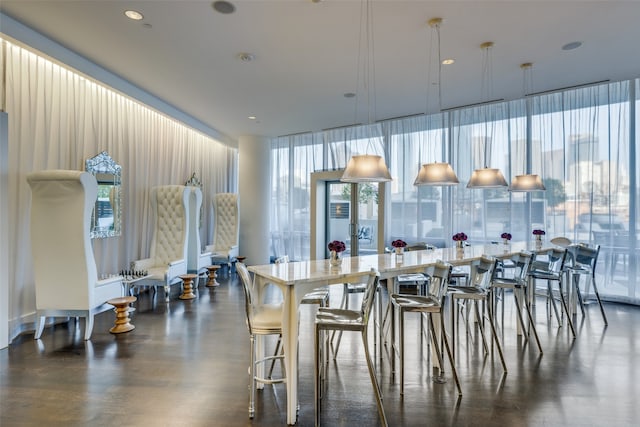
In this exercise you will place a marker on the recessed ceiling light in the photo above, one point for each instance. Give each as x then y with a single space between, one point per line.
246 57
349 95
224 7
251 117
133 14
572 45
448 61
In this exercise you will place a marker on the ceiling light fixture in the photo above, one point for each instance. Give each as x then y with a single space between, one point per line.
572 45
133 14
487 177
246 57
448 61
367 167
223 7
436 174
527 182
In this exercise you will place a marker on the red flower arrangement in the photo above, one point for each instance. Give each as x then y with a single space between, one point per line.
506 236
539 232
337 246
458 237
398 243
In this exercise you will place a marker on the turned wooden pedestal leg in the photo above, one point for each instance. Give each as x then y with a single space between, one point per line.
187 287
212 274
122 323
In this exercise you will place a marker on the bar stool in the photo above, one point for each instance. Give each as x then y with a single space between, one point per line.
332 319
262 320
518 283
479 289
584 264
552 269
432 303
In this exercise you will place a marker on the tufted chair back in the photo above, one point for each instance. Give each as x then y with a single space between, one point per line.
225 213
169 204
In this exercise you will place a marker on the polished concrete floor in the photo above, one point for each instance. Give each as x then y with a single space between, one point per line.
186 362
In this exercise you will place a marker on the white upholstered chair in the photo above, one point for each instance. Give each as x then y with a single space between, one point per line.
168 255
226 224
197 261
64 266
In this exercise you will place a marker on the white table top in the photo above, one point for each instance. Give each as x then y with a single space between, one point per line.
388 264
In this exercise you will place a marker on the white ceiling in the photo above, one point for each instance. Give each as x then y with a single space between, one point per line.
306 53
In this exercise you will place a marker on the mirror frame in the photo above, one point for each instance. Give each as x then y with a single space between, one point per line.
106 171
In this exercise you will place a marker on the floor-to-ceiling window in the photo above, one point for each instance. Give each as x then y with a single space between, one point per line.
582 142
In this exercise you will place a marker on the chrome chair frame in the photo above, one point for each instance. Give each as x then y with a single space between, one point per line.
519 284
483 273
332 319
585 259
262 320
552 270
432 303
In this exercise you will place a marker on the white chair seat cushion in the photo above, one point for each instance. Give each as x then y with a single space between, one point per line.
267 316
157 273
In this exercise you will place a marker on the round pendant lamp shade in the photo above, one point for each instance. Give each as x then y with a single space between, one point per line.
527 183
366 168
436 174
487 178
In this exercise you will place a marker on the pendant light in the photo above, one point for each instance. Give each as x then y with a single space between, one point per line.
527 182
436 174
487 177
367 167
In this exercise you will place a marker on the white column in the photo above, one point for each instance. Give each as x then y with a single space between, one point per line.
4 231
254 192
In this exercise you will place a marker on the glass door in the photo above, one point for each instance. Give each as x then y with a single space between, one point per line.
351 213
352 216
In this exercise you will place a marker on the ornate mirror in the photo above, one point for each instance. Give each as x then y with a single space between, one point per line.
107 214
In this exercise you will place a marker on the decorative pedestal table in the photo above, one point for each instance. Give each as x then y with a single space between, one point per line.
122 323
211 276
187 288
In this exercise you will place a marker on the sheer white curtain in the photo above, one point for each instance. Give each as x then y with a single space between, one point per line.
293 160
58 119
417 214
584 137
582 142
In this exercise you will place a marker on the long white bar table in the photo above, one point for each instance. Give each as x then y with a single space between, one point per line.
295 279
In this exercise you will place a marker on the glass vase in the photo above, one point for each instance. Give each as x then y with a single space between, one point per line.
334 259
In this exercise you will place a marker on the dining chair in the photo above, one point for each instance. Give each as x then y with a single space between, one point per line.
262 320
550 266
429 304
482 274
585 259
339 319
518 283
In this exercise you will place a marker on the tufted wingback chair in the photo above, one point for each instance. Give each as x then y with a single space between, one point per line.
168 255
226 228
197 261
66 277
